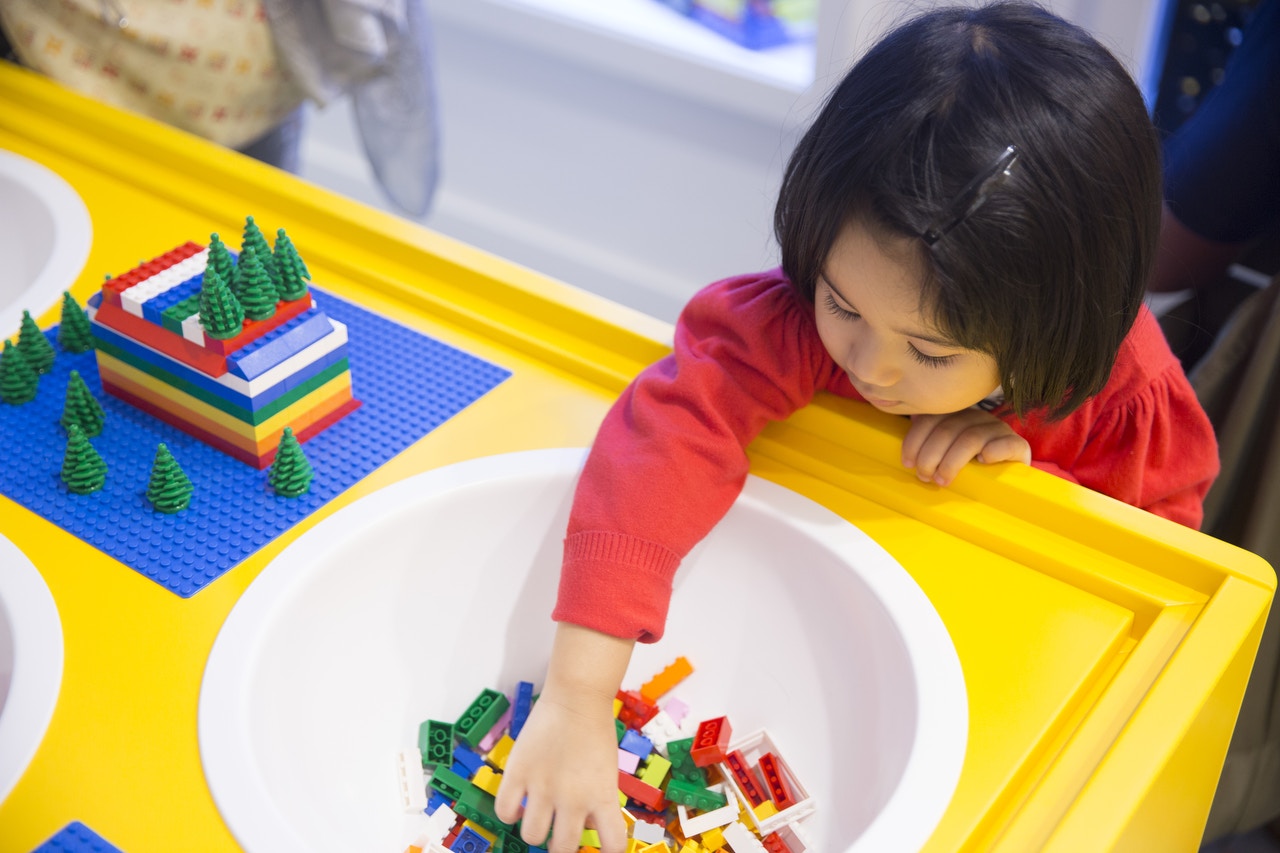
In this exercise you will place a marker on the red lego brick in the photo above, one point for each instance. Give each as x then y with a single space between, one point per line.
711 742
779 789
641 792
635 710
746 779
112 288
254 329
774 843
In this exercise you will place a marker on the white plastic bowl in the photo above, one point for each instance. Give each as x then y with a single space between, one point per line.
30 662
404 605
45 233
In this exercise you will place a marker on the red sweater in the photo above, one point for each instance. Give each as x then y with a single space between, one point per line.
670 459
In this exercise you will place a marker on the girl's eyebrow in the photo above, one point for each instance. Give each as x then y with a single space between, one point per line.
906 333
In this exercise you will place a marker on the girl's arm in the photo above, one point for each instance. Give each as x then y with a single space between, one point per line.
564 765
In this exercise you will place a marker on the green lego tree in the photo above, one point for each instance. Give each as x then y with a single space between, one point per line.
294 274
74 333
169 488
82 468
291 473
220 258
253 237
253 286
82 408
220 312
18 380
34 345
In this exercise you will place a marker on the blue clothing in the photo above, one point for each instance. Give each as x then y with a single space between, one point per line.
1222 167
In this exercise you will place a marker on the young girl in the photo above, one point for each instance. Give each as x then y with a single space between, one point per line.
966 233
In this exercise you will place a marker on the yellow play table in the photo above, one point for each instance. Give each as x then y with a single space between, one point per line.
1105 650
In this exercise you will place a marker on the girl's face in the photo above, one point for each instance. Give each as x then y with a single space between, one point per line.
867 308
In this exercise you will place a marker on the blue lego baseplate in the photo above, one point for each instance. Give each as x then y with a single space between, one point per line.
75 837
408 382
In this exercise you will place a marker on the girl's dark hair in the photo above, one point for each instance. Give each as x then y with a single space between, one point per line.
1048 273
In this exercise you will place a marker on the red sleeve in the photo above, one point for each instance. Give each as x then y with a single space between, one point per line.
1144 439
669 459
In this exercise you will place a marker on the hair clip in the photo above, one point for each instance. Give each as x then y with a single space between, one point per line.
972 197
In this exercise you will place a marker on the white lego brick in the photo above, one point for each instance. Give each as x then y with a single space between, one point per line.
413 785
795 838
660 731
742 840
649 833
752 747
192 330
438 824
700 823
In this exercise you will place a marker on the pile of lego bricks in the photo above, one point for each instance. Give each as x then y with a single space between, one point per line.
682 788
235 394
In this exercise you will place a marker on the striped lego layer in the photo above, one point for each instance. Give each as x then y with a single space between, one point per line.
251 442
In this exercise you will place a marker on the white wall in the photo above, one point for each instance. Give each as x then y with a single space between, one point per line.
618 147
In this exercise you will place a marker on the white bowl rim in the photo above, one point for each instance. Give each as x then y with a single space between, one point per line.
37 663
73 236
914 808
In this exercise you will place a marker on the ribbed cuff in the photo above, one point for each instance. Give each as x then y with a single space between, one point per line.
616 584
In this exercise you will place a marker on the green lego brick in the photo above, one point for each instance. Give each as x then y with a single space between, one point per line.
693 795
476 805
435 739
173 316
449 783
682 766
621 729
481 716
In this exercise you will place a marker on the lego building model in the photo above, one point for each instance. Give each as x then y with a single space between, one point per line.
229 349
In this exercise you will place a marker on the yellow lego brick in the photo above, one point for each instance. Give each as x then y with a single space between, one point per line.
712 839
481 831
617 707
622 801
500 752
487 779
765 810
626 815
655 770
692 847
633 846
590 838
660 847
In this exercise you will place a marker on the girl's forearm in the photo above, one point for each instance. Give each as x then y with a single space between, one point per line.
587 666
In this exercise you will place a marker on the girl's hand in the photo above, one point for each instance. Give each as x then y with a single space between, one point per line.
938 446
564 765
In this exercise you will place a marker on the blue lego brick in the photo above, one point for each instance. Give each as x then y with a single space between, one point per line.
469 841
75 837
153 309
523 704
291 338
636 743
201 385
468 758
409 383
435 801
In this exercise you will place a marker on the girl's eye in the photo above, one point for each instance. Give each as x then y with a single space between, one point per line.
930 360
835 308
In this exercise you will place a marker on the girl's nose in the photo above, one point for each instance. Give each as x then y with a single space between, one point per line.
871 365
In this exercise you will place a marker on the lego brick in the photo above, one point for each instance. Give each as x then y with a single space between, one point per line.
767 817
522 706
682 764
633 741
497 756
449 783
486 779
774 779
695 797
711 741
435 740
742 840
635 711
661 684
278 345
628 762
480 716
745 778
75 837
413 785
409 383
640 792
655 770
496 731
468 758
176 303
714 819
